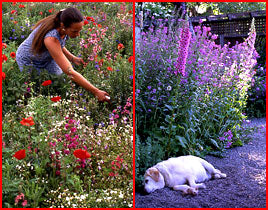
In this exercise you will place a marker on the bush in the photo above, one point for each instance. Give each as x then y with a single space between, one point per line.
256 103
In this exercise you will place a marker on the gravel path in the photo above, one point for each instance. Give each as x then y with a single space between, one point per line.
244 187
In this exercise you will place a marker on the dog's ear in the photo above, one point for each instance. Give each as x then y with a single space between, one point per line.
164 171
154 174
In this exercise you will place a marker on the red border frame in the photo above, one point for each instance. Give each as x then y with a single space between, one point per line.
133 75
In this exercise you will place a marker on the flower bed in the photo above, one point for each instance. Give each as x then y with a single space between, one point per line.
191 93
61 148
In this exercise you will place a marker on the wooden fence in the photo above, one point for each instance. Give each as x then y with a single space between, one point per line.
233 27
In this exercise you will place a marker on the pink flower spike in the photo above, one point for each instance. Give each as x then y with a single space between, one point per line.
184 42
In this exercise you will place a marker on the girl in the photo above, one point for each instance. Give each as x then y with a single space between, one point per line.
45 48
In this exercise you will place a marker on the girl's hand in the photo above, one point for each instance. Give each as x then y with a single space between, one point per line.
102 96
77 60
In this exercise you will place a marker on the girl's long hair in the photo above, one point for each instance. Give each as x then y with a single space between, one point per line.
67 17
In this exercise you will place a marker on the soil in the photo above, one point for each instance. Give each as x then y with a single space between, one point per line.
244 186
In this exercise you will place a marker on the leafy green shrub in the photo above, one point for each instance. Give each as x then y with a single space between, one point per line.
256 103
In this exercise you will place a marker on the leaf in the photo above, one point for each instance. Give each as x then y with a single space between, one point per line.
182 141
214 142
169 107
167 119
238 143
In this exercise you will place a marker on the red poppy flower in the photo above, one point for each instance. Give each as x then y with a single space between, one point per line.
51 10
4 45
130 12
85 22
109 68
3 75
96 57
12 55
82 154
56 99
27 122
15 22
41 13
99 25
21 154
21 6
91 19
130 59
101 62
4 57
46 83
120 46
13 11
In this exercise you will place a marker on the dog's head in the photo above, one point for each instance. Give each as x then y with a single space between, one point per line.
153 180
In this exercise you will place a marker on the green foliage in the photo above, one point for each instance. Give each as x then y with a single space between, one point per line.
11 183
235 7
147 154
256 102
156 9
17 21
217 8
164 9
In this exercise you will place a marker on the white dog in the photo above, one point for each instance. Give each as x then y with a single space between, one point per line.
178 172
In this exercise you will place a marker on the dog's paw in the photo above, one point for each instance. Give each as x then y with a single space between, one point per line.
217 176
202 186
223 175
192 191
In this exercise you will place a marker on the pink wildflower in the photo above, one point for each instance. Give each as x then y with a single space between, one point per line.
24 203
66 152
73 130
18 198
